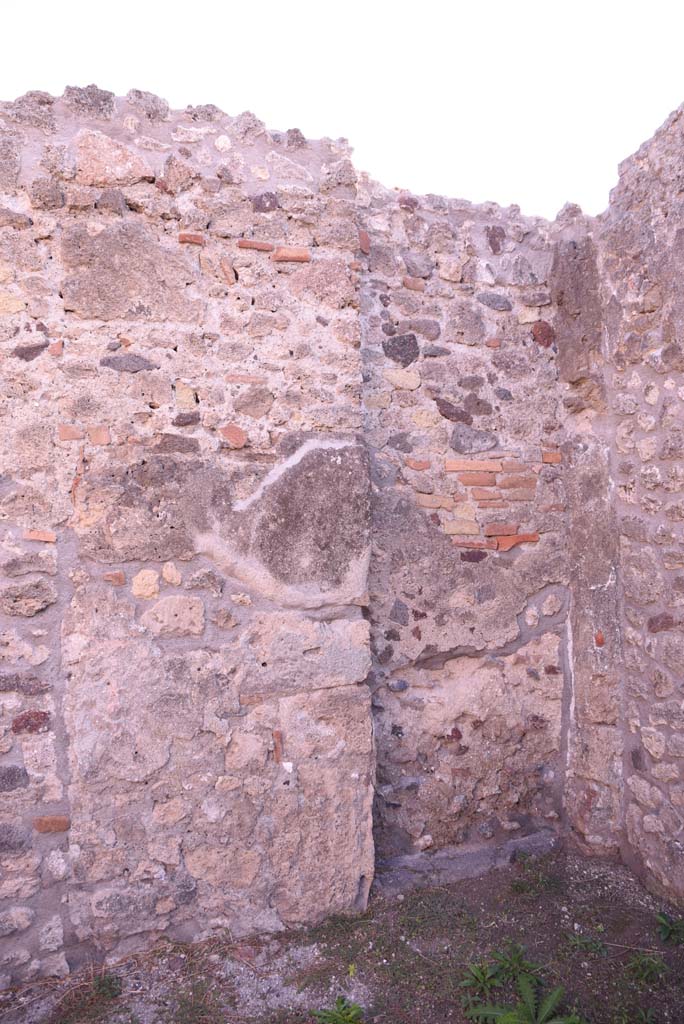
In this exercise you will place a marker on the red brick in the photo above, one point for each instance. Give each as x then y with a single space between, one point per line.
551 458
277 746
52 823
99 435
509 482
492 504
473 465
116 578
493 343
252 243
43 536
31 721
599 639
234 435
68 432
190 238
364 242
415 284
291 254
484 493
500 529
56 348
477 479
418 464
506 543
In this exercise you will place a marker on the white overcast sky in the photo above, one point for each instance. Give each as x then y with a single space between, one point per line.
515 101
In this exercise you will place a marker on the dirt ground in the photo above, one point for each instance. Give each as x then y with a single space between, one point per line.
585 925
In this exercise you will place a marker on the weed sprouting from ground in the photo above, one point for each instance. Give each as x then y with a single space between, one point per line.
647 969
671 930
533 1007
343 1012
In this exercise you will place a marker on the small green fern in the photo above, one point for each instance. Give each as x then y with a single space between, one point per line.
534 1007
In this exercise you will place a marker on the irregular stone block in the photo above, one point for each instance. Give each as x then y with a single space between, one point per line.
103 162
12 777
175 615
14 839
27 599
123 273
10 160
16 919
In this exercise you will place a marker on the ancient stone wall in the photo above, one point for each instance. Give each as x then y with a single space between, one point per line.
314 497
468 578
185 529
641 239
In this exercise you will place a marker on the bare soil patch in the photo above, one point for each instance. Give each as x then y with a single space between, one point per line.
586 925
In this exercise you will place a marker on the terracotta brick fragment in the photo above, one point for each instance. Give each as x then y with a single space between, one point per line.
116 578
31 721
278 746
509 482
506 543
513 466
500 529
493 343
552 458
418 464
364 242
484 493
253 243
99 435
599 638
52 823
473 465
234 435
492 504
43 536
291 254
190 238
56 348
69 432
477 479
415 284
